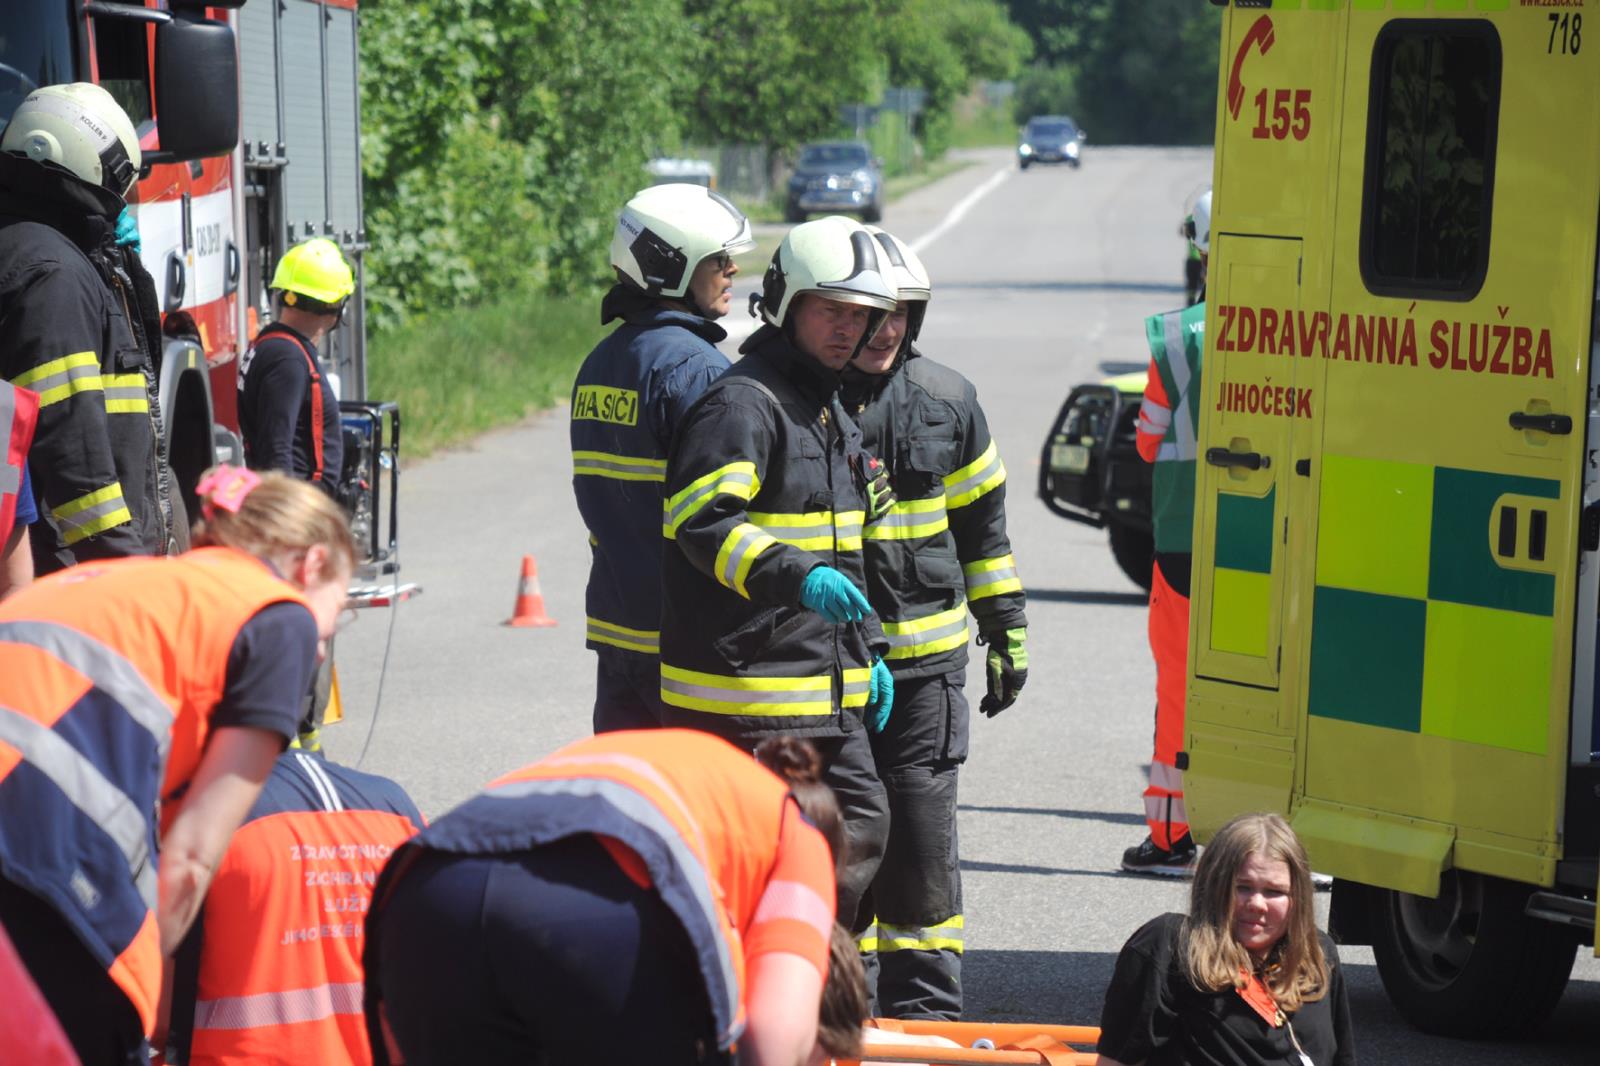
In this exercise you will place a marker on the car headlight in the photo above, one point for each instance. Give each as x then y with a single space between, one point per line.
863 178
1026 149
1072 147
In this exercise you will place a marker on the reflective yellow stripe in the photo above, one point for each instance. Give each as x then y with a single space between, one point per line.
739 550
814 530
647 641
735 479
92 513
766 697
991 577
911 520
948 935
927 635
847 530
978 477
126 394
620 467
61 378
857 686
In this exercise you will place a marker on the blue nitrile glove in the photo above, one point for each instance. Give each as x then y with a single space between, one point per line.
833 596
880 696
128 230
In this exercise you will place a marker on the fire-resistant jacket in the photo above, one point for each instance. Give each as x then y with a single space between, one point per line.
760 492
716 834
109 672
1169 422
271 974
631 394
19 409
942 549
78 325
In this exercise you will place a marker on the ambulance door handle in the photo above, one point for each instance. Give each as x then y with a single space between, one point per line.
1557 425
1248 460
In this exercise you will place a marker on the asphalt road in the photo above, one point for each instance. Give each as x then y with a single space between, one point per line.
1041 281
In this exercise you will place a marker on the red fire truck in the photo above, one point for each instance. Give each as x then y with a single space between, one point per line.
249 121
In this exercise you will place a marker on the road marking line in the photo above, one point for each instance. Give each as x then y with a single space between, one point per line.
738 331
959 211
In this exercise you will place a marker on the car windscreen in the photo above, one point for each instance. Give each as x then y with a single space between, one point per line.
35 49
1052 130
833 155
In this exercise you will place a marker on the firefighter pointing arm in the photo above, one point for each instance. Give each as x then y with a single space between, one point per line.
78 326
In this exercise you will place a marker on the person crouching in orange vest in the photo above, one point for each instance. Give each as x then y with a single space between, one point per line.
271 973
650 895
135 685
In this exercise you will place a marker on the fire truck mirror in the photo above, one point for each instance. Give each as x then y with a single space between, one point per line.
197 89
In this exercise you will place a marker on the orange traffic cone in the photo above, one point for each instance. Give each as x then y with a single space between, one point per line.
529 610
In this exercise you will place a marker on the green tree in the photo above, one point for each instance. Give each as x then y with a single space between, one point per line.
942 47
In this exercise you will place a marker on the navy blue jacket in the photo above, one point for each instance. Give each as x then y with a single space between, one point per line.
285 414
631 394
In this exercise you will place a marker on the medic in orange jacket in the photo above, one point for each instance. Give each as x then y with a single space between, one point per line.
719 838
271 973
132 683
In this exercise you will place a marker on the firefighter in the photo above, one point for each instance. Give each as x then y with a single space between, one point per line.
19 412
288 412
1169 423
765 627
673 255
645 895
136 684
271 972
938 553
79 326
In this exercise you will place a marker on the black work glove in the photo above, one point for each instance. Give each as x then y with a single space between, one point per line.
1005 668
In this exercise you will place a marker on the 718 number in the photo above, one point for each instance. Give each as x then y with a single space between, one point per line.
1285 123
1570 27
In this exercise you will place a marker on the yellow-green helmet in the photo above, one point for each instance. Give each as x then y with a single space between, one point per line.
314 276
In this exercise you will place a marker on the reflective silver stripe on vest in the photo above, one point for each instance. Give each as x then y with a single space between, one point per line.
107 669
10 476
716 964
278 1008
1182 404
89 790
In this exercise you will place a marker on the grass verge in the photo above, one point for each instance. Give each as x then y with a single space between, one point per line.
901 184
460 374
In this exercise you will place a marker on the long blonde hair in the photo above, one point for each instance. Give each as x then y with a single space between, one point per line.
278 515
1295 971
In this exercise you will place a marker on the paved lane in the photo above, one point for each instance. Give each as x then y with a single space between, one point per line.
1044 283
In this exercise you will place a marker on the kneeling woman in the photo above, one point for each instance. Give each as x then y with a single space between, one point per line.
1245 979
637 896
130 685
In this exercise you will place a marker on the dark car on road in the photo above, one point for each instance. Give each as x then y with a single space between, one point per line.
1049 139
836 177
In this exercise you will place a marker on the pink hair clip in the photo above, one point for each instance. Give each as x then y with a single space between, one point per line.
226 487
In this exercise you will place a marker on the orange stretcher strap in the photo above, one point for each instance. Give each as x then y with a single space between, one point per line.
1016 1043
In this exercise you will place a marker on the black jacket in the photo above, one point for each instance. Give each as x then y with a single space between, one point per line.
759 493
942 550
78 325
282 393
629 397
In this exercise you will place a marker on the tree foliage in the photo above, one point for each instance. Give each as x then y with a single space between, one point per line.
1141 73
501 136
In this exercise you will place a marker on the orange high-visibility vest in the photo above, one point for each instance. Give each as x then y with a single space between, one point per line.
109 673
715 833
280 978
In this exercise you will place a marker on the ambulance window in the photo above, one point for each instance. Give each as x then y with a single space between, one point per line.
1435 100
122 50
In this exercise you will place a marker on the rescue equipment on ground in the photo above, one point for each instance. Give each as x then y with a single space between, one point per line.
987 1043
529 610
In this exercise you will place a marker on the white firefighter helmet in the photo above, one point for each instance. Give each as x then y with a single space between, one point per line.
910 277
80 127
1202 221
834 257
665 230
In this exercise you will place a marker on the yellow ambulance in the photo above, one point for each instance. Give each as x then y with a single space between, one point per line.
1397 539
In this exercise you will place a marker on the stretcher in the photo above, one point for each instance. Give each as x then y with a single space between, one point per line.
987 1043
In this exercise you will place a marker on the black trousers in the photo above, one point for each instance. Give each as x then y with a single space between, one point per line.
915 945
627 692
852 773
545 956
97 1017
